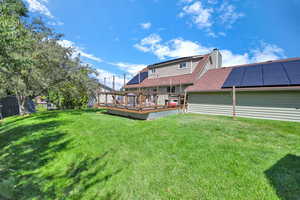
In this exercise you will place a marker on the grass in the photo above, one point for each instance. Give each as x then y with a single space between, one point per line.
91 155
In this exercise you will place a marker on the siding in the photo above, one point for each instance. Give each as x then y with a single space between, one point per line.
173 70
170 70
265 105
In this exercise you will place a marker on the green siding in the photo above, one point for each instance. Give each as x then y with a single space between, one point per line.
277 105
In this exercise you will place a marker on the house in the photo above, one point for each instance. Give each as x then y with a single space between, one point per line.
268 90
97 98
174 76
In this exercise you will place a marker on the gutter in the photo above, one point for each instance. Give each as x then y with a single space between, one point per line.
293 88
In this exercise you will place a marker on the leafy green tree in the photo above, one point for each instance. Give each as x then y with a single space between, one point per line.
32 62
15 41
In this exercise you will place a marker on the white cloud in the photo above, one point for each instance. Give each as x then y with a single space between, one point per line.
180 47
78 50
228 14
148 42
231 59
146 25
131 68
207 14
174 48
39 7
200 16
265 52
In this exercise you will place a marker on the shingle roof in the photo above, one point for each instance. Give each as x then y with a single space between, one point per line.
164 81
175 61
214 79
185 79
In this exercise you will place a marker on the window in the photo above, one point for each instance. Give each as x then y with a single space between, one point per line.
171 89
153 70
183 65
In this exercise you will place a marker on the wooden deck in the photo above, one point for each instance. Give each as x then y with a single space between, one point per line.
144 110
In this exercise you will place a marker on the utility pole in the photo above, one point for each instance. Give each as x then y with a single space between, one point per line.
114 82
124 81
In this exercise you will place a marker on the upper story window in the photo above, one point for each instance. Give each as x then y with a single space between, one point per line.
183 65
153 71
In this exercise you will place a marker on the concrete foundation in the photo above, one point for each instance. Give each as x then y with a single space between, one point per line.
144 116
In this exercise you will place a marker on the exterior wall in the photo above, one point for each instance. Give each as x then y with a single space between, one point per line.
214 62
274 105
101 97
164 89
173 69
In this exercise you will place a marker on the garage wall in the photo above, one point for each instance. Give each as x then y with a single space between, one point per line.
277 105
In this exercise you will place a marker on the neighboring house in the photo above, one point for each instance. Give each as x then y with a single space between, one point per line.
269 90
100 98
174 76
41 102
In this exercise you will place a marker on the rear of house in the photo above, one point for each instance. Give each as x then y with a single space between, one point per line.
174 76
269 90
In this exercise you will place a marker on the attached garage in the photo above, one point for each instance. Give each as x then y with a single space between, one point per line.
254 96
276 105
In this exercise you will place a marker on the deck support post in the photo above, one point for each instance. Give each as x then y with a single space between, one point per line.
140 101
184 103
126 101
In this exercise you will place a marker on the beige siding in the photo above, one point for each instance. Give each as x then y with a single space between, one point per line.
265 105
171 70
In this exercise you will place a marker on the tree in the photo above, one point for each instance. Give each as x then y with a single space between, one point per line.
15 41
33 63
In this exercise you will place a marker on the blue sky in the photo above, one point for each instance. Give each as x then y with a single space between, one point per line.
123 36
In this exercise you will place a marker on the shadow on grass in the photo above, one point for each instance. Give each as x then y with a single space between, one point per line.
27 148
285 177
82 175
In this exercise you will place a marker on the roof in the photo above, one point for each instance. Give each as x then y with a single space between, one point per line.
182 59
164 81
185 79
214 79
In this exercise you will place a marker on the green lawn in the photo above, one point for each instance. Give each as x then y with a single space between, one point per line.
89 155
